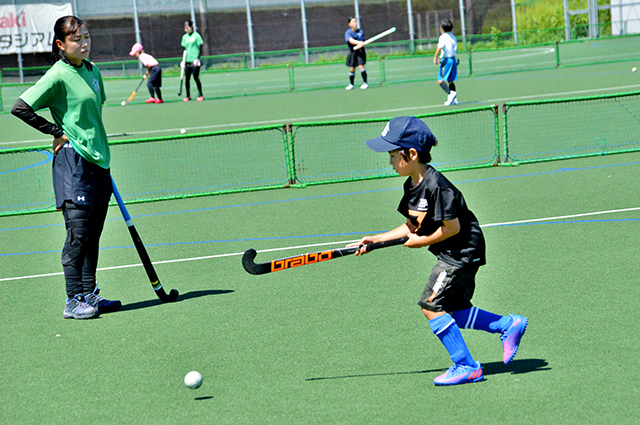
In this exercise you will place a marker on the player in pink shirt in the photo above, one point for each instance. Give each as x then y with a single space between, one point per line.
154 72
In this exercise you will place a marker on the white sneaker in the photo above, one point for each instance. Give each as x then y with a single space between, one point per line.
454 101
450 98
349 87
364 86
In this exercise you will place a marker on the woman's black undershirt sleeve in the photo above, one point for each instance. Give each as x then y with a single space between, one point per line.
27 114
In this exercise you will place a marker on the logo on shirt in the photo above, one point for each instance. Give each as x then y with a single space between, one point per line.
81 198
423 205
96 85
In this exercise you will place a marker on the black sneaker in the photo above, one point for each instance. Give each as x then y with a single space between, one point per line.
103 305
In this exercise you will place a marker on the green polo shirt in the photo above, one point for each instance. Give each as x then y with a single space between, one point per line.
191 43
75 97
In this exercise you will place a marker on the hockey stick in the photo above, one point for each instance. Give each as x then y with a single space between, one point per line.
302 260
377 37
128 101
142 252
182 66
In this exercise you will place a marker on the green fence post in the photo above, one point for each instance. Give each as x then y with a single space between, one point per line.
470 61
496 120
557 54
383 75
124 69
290 154
505 132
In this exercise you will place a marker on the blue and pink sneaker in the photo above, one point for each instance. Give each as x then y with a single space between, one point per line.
460 374
512 336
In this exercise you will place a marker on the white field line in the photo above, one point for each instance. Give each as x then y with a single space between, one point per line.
180 260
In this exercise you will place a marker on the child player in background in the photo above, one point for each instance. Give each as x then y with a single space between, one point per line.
448 72
437 216
192 43
73 91
154 73
355 38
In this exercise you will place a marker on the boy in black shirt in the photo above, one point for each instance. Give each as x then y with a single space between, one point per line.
438 217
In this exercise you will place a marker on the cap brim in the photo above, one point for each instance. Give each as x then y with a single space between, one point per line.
380 145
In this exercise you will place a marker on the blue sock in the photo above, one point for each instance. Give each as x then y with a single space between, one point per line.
474 318
445 328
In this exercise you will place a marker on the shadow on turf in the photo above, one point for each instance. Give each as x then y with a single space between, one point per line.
182 297
493 368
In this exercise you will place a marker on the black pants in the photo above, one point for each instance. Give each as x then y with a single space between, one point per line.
83 191
188 71
154 82
81 248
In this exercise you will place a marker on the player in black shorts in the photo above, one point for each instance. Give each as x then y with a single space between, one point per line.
437 216
73 91
354 38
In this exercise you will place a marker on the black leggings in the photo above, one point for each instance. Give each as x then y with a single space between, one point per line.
189 70
154 81
80 253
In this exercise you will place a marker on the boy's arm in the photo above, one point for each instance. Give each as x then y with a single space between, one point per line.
435 56
399 232
448 229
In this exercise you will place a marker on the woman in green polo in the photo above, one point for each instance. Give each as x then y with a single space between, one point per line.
73 91
192 43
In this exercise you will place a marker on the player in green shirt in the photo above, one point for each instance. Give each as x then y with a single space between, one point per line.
192 43
73 91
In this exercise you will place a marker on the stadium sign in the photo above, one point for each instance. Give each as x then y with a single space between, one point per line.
29 28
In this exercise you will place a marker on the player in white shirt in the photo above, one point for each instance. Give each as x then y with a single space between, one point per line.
448 72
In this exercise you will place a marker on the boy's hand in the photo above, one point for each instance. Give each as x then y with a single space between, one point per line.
362 243
435 60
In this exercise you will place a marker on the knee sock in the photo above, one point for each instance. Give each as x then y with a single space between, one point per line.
352 77
445 328
474 318
364 75
445 87
452 86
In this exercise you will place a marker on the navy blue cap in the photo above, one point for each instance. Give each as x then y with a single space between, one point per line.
404 132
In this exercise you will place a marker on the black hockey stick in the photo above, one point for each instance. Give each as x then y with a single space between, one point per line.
142 252
302 260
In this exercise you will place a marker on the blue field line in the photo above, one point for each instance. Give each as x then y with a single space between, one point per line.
615 220
306 198
49 158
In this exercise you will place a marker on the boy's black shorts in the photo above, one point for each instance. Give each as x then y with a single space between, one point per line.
77 180
450 288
